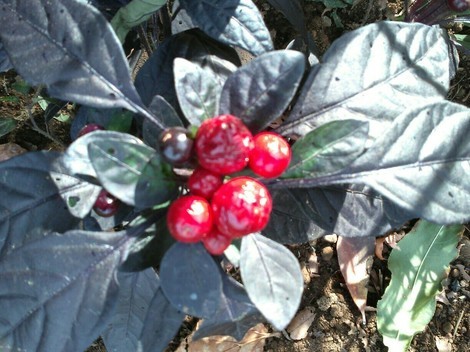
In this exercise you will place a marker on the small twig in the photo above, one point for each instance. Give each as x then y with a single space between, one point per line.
36 128
165 20
458 323
144 39
4 81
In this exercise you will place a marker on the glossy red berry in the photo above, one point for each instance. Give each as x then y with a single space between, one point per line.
223 144
216 242
106 204
270 156
189 218
204 183
458 5
175 145
241 206
89 128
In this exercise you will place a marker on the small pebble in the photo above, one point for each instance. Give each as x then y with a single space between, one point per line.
324 303
327 253
336 311
455 273
333 238
305 273
447 327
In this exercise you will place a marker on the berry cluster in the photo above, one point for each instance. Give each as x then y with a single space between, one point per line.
215 212
106 204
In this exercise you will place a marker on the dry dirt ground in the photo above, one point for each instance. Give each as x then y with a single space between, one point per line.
337 323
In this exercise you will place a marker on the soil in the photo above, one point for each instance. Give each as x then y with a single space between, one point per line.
337 325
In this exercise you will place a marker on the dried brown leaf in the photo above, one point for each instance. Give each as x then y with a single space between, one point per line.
253 341
353 255
391 239
312 264
9 150
443 344
298 327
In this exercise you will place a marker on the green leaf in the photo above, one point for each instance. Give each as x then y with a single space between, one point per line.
328 149
417 267
21 86
134 173
463 39
336 4
6 125
120 121
133 14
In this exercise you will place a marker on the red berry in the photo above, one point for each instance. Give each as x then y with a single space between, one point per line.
223 144
175 145
106 204
458 5
270 156
204 183
89 128
241 206
216 242
189 218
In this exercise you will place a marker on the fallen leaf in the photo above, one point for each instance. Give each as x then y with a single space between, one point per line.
443 344
312 264
441 297
391 239
9 150
253 341
462 271
298 327
353 254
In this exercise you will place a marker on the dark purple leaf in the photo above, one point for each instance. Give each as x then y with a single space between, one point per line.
69 47
57 292
149 249
165 113
30 202
301 215
5 63
197 89
293 11
373 74
420 164
234 22
272 278
261 90
191 280
144 320
156 76
115 119
235 316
